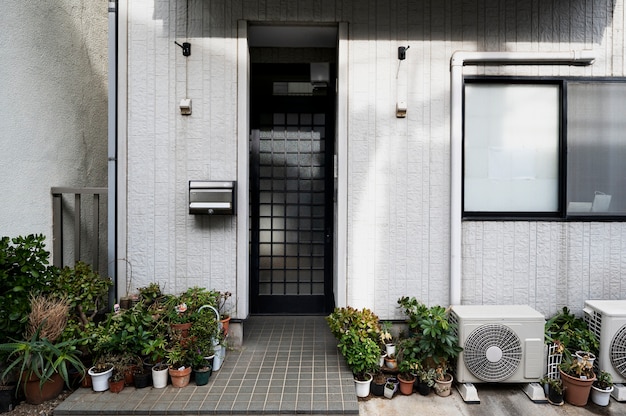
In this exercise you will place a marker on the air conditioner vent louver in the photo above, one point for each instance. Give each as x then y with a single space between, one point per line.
618 351
607 320
492 352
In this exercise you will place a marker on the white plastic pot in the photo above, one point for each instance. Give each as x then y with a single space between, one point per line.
159 376
601 397
100 381
363 387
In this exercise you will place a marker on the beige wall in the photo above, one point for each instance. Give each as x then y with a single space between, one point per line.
53 102
398 169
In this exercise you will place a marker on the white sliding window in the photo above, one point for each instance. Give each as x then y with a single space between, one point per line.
511 148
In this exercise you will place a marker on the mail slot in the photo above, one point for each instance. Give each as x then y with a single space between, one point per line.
211 197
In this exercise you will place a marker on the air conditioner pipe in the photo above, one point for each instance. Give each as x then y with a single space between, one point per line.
457 62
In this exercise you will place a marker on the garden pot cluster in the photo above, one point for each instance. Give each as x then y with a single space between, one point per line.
576 347
79 341
386 363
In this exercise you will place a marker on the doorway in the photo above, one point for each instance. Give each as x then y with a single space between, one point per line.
291 184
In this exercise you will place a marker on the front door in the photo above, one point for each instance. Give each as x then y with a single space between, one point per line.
291 191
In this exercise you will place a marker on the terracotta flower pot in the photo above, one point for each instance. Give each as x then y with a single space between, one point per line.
49 390
406 385
576 390
180 378
116 386
182 329
225 324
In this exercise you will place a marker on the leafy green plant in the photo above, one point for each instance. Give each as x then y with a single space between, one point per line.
436 337
556 384
409 356
154 348
414 311
364 321
86 291
24 271
604 381
203 331
426 376
575 367
126 331
358 333
150 293
571 331
40 358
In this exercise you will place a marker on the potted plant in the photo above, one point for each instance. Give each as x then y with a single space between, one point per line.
555 390
178 361
391 386
425 380
358 333
42 367
387 338
223 310
577 376
571 332
391 362
436 338
408 353
117 380
159 375
100 374
602 388
443 381
201 368
142 378
377 387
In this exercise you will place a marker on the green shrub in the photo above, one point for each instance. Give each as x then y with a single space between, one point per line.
24 271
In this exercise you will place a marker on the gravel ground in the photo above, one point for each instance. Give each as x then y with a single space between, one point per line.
44 409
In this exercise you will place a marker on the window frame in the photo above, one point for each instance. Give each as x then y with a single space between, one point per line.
561 213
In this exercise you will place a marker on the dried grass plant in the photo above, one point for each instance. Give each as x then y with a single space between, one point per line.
48 313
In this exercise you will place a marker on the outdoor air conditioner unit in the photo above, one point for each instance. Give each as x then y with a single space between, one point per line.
607 320
501 343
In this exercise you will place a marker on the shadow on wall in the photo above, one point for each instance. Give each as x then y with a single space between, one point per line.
420 20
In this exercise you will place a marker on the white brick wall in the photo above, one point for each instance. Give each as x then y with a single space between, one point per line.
398 201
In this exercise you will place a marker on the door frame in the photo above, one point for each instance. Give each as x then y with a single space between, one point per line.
243 185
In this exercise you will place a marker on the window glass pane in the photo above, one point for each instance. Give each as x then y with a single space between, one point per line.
511 148
596 171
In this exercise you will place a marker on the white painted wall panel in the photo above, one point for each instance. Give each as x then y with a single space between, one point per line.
398 197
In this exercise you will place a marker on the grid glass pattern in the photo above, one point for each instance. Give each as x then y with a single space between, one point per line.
291 205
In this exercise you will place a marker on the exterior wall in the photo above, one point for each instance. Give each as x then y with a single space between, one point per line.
398 169
53 79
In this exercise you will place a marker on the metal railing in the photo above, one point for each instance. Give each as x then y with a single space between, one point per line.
84 237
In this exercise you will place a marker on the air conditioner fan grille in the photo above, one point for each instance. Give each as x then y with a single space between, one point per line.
618 351
492 352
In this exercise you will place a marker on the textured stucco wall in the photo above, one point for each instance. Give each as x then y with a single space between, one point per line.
398 198
53 102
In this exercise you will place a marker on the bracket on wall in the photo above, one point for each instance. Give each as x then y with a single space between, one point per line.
186 47
402 52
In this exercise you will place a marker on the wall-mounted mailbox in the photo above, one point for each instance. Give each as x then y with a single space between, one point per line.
211 197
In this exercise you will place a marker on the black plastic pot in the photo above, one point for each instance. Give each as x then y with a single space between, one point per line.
7 398
377 389
423 389
143 380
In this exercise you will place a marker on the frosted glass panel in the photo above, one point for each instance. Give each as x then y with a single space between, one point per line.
511 148
596 171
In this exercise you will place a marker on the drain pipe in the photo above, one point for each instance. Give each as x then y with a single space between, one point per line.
458 60
112 152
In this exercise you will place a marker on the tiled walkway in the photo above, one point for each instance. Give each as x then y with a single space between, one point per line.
287 365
